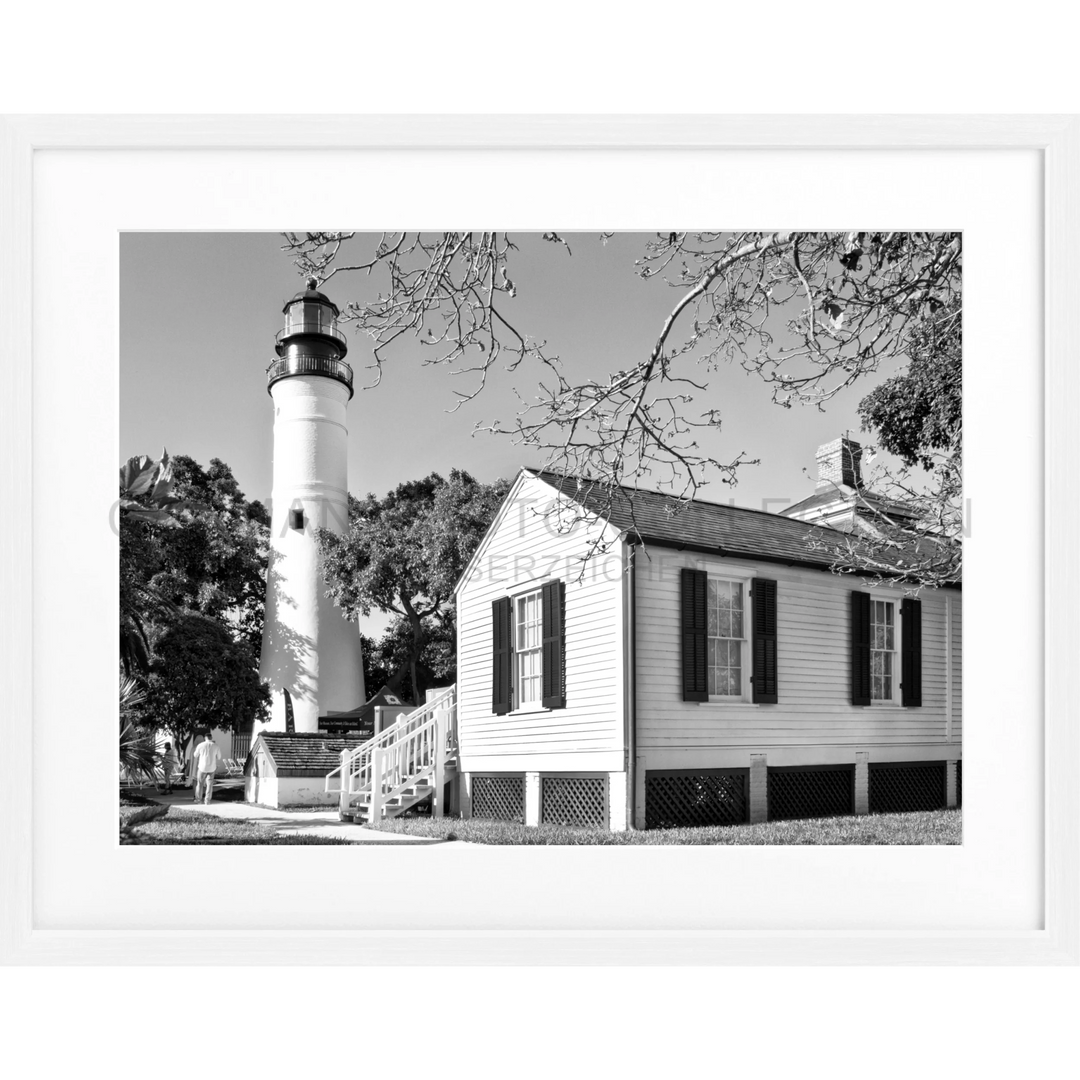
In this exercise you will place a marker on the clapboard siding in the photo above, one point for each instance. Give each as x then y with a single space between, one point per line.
813 668
521 550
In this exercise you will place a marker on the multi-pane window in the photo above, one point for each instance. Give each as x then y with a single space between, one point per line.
528 630
726 638
882 649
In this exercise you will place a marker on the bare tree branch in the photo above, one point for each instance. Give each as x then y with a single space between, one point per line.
810 313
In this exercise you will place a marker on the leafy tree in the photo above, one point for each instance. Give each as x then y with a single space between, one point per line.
146 495
810 313
917 415
402 556
436 664
193 554
201 677
206 553
215 563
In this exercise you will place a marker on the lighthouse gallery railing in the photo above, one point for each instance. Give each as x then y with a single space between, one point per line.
309 365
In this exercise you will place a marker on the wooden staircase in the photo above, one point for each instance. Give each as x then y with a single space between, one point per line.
359 811
401 766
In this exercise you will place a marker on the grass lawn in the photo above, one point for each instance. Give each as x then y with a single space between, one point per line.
929 827
192 827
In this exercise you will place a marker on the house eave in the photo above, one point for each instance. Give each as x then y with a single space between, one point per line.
722 552
782 560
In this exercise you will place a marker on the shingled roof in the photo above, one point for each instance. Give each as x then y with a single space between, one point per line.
701 526
312 753
721 529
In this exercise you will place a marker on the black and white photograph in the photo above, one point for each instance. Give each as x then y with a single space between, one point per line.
541 538
592 539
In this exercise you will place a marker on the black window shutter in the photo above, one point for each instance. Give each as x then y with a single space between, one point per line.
502 656
695 625
860 648
911 652
764 596
553 609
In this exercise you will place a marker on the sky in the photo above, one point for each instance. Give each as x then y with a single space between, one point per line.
199 311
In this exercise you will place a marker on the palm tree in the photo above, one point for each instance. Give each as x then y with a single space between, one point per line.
140 605
138 758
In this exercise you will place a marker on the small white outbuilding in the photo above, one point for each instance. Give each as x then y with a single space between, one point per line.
289 769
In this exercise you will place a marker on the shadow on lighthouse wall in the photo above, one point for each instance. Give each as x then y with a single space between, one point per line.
286 653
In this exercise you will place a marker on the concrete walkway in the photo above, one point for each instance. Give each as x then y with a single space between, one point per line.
287 822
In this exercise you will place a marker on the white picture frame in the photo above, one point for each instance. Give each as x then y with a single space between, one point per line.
23 940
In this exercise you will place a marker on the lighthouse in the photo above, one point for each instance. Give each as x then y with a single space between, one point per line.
311 652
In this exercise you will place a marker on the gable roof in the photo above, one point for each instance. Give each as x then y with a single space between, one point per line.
523 477
384 698
654 517
313 752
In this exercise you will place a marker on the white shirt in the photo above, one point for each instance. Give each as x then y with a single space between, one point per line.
207 756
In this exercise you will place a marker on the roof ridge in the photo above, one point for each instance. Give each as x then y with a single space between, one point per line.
701 502
642 516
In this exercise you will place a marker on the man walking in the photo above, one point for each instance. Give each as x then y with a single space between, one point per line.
205 762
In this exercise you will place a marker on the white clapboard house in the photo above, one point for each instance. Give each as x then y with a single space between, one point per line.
707 667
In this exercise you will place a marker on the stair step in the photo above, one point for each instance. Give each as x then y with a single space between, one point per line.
359 811
418 791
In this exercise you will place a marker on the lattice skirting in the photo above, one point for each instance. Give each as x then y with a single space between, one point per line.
573 800
688 797
906 786
959 783
812 791
499 797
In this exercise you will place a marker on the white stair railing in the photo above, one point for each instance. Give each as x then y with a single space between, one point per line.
398 770
411 749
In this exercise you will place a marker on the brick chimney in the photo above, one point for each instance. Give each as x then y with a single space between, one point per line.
838 463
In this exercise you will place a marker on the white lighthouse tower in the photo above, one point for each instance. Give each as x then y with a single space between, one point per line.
311 653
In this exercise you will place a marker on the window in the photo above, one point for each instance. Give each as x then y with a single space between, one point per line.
882 650
729 650
528 630
886 651
726 637
528 650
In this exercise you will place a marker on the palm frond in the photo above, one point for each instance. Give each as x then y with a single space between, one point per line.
138 757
